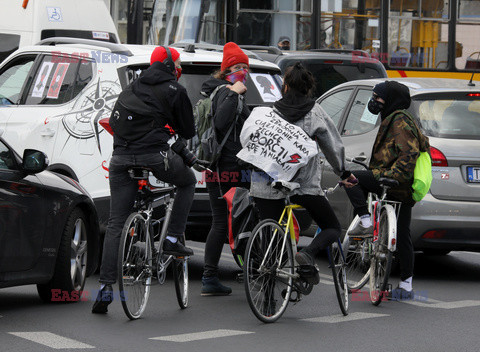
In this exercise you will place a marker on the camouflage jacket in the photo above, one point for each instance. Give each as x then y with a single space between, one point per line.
397 146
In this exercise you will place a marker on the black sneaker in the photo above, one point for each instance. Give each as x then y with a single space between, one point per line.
211 286
177 248
104 298
400 294
308 270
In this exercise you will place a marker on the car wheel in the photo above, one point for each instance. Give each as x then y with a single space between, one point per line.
436 251
71 266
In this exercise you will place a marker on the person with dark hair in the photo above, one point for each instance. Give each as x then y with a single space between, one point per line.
298 108
394 155
156 90
229 113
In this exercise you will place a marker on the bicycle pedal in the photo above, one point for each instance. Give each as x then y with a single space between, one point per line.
239 277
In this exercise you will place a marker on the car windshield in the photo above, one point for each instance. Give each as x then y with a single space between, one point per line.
453 118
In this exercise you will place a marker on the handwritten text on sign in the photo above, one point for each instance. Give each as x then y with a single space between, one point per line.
275 145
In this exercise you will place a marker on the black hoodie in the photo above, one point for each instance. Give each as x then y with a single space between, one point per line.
397 98
294 106
156 81
224 107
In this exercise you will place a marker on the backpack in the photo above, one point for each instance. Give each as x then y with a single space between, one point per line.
131 118
422 174
205 144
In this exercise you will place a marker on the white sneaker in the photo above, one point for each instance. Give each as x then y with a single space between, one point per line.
360 231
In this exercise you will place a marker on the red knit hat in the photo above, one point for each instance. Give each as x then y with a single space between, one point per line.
232 55
160 54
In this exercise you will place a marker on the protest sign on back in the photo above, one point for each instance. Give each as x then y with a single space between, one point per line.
274 145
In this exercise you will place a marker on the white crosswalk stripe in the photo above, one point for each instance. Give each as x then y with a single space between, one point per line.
205 335
51 340
337 318
444 305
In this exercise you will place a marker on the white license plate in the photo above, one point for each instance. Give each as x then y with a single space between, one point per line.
473 174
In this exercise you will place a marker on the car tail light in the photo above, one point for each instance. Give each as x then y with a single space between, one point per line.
434 234
438 159
106 125
473 95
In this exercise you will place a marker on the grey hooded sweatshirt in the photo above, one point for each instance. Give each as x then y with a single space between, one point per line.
306 114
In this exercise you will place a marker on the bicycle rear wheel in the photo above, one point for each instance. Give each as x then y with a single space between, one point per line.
180 275
134 266
357 259
337 263
382 258
268 271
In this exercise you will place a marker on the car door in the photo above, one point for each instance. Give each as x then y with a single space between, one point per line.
358 130
35 123
13 77
22 218
336 106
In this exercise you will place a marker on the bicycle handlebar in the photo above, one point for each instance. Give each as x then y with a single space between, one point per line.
353 160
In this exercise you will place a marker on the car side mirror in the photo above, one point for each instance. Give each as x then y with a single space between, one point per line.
34 161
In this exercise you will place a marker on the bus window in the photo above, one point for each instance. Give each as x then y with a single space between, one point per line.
418 34
468 27
351 25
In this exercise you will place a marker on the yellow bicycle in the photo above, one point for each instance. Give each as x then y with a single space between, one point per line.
271 274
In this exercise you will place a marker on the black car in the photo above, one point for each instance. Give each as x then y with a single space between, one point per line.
48 227
330 67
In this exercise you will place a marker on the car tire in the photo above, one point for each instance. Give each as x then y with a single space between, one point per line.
436 251
73 249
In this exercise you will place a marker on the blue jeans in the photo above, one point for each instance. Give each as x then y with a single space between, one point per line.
123 190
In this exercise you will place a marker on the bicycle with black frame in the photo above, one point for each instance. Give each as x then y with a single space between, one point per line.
141 256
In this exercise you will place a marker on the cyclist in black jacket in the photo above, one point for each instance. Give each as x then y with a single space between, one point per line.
158 88
229 108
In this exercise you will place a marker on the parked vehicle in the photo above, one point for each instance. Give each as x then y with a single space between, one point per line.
53 95
48 227
330 67
448 112
31 21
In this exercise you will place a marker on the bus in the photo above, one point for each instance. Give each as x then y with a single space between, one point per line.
412 38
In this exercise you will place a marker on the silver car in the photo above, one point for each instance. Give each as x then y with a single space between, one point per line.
448 218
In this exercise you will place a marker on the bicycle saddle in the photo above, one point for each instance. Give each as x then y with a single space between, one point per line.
389 182
139 173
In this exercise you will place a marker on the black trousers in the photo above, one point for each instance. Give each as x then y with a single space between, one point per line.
358 197
219 231
123 190
318 208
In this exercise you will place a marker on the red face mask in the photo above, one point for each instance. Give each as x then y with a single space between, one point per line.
178 72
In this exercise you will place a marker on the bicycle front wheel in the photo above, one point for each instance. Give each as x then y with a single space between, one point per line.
337 263
382 257
180 275
134 266
268 271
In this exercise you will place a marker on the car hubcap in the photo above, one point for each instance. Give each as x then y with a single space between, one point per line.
78 258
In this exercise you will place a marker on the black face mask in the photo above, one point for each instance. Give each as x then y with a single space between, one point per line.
374 106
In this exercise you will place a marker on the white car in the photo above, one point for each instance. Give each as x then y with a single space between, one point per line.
53 95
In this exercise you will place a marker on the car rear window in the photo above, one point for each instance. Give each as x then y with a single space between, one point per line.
328 75
263 87
449 118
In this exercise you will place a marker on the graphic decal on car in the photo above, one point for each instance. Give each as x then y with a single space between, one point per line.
95 103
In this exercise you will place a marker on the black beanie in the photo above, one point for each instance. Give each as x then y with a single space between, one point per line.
381 90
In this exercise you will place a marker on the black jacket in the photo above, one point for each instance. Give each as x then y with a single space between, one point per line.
224 107
153 84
